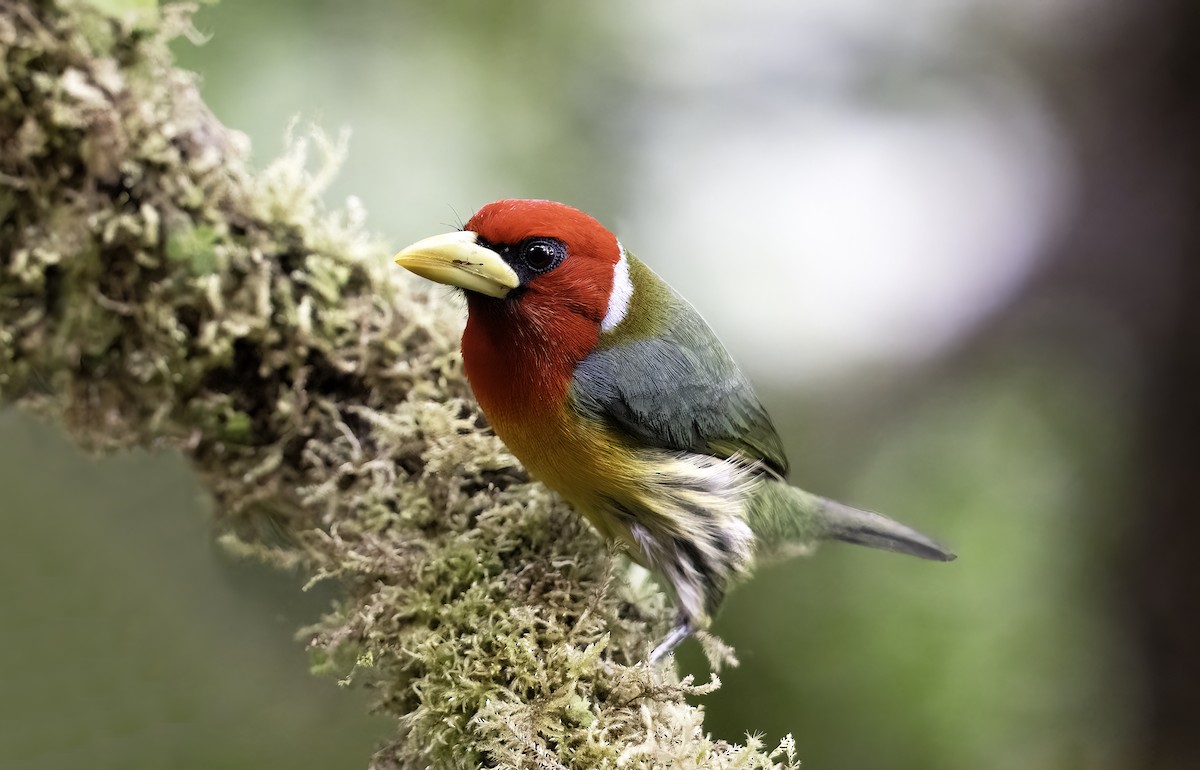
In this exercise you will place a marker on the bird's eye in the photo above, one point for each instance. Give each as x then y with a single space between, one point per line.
542 254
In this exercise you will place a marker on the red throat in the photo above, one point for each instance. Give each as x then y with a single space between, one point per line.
520 359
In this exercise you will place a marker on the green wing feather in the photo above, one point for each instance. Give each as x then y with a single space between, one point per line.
663 378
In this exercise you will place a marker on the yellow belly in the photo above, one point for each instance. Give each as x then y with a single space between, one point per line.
679 513
581 461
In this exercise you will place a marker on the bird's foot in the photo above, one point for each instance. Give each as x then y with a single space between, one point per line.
682 630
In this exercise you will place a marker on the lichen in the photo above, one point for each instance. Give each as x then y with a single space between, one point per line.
155 291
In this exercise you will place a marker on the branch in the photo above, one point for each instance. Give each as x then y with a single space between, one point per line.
154 291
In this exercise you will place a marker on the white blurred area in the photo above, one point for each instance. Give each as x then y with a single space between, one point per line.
832 183
838 198
881 236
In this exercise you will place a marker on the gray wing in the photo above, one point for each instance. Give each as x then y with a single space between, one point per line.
678 390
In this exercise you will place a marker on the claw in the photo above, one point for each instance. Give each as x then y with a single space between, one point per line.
683 629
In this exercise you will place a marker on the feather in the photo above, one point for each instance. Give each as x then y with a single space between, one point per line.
663 379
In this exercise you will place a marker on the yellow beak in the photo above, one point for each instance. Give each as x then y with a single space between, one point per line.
457 259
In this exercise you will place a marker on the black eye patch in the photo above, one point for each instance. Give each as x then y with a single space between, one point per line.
531 257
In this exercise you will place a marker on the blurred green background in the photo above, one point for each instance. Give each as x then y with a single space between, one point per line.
948 241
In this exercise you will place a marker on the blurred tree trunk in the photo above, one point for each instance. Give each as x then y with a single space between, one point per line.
1163 601
1129 100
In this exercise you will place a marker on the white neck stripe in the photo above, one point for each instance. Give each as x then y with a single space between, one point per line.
622 292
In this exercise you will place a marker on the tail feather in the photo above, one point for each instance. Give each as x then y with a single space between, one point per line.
852 525
782 516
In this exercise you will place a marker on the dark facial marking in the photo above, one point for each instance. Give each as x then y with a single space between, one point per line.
531 257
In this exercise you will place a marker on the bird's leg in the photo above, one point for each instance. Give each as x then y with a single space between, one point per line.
684 627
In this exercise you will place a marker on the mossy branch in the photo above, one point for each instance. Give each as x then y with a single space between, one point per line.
156 292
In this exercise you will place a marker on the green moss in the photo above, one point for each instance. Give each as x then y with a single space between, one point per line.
172 296
194 247
236 427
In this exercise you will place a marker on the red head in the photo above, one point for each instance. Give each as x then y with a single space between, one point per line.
538 277
563 257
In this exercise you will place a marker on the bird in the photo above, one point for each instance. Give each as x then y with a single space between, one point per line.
611 390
